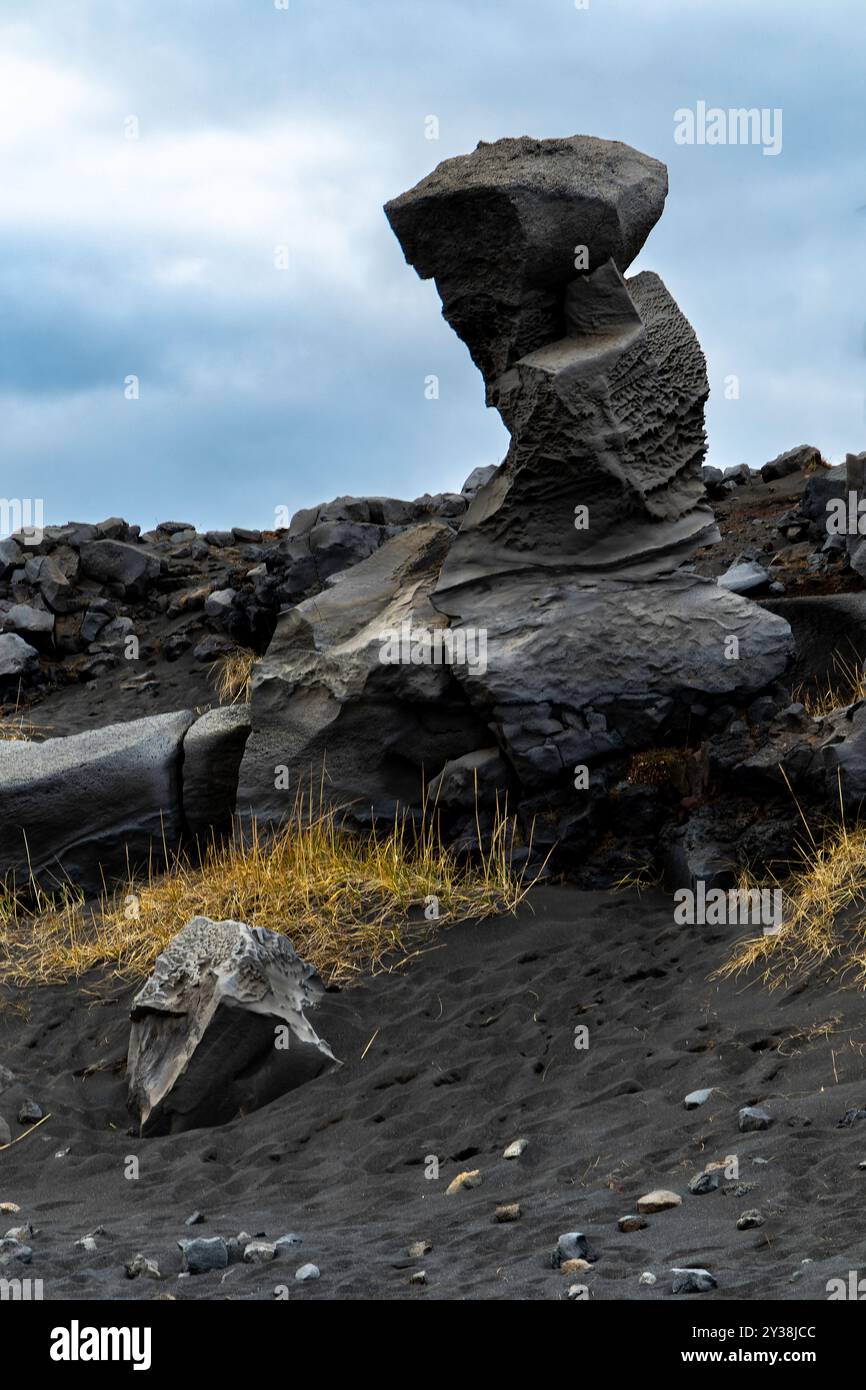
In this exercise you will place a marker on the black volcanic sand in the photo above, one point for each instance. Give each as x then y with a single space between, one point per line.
472 1047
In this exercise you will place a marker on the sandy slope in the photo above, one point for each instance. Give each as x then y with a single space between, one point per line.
473 1047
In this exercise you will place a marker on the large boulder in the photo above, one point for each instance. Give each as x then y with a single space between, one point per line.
333 693
220 1029
73 806
576 671
116 562
85 808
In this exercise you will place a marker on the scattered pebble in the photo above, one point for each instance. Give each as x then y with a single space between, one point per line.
287 1241
574 1266
195 1220
6 1078
696 1098
472 1178
850 1118
659 1200
632 1223
12 1208
692 1281
702 1183
259 1252
749 1220
647 1278
752 1117
203 1254
573 1245
29 1112
5 1132
21 1233
507 1211
14 1250
307 1272
576 1291
516 1149
418 1276
139 1265
418 1249
738 1189
85 1243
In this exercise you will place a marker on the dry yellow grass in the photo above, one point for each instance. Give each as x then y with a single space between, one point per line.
848 685
824 913
232 676
16 726
349 904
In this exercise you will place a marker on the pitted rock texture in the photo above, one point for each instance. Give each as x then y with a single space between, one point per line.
203 1042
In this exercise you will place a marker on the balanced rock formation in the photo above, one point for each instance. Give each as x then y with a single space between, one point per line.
575 632
569 557
219 1027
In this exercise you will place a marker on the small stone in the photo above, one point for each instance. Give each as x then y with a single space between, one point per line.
752 1118
29 1113
696 1098
692 1281
471 1178
287 1241
659 1200
201 1255
850 1118
575 1291
307 1272
86 1243
20 1233
5 1133
515 1149
12 1208
738 1189
705 1182
6 1078
418 1249
573 1245
140 1266
418 1276
259 1252
632 1223
507 1211
574 1266
14 1250
195 1220
647 1278
750 1220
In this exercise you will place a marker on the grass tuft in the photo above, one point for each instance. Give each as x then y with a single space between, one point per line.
350 904
824 913
232 676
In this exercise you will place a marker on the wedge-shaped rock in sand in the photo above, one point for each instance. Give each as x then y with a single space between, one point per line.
220 1029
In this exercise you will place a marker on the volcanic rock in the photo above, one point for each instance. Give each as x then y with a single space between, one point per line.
204 1042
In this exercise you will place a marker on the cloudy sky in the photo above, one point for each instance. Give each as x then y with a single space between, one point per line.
261 127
